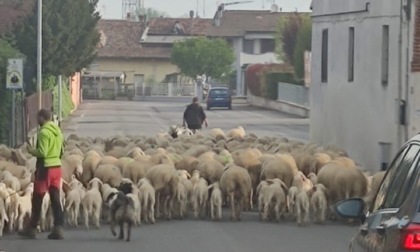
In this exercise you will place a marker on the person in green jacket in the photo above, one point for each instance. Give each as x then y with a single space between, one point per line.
48 151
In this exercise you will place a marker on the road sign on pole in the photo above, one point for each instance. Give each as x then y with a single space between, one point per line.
14 74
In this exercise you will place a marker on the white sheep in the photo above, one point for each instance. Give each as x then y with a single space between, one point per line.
92 203
216 201
302 206
302 182
319 204
11 206
275 199
199 198
11 181
3 216
24 205
74 199
261 188
137 205
291 200
147 199
180 200
313 178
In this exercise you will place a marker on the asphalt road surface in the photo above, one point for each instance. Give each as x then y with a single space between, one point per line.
248 235
106 118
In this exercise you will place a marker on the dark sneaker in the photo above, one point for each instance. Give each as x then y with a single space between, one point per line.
28 233
56 234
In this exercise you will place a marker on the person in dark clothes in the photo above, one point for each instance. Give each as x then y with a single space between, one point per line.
194 116
48 152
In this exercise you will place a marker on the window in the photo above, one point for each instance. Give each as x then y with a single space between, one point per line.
351 54
324 56
219 92
268 45
248 46
398 181
385 54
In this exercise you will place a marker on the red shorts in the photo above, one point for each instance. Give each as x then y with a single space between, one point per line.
53 179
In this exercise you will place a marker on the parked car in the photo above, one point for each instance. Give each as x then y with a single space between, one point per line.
392 222
219 97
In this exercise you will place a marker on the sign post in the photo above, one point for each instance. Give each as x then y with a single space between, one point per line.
14 81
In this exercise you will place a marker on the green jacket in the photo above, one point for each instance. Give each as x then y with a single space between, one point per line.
49 144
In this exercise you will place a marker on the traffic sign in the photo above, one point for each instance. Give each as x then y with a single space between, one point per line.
14 74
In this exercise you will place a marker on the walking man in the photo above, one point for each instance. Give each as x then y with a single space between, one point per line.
194 116
48 151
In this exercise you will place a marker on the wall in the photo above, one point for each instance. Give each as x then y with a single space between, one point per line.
157 69
75 90
355 115
282 106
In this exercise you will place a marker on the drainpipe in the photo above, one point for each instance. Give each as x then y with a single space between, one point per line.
407 76
400 81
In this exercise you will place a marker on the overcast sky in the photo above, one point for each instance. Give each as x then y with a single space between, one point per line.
112 9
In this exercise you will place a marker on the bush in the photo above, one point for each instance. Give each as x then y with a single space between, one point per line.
67 104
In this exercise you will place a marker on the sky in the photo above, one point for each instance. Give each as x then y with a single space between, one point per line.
112 9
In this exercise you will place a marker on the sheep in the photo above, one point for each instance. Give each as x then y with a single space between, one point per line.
301 182
199 198
11 181
181 199
147 199
291 198
92 203
235 182
24 205
215 201
3 216
74 199
302 206
319 203
313 178
274 199
45 222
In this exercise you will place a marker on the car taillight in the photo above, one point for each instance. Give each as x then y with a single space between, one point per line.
410 237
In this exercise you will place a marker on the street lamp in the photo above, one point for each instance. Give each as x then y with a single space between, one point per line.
39 55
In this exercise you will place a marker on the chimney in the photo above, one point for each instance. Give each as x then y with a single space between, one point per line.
191 14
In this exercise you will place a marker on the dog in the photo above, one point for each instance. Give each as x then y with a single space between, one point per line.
122 213
175 131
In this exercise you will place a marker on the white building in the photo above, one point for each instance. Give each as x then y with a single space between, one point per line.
365 65
252 36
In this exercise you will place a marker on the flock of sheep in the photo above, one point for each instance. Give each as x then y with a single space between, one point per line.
175 174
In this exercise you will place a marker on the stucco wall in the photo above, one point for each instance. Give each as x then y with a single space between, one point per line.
156 69
75 89
355 115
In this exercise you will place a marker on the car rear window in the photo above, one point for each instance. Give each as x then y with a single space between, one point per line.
219 92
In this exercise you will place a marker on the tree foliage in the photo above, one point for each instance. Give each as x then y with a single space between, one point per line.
303 43
6 51
153 13
293 38
69 36
198 56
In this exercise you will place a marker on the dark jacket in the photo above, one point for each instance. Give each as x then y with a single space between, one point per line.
194 116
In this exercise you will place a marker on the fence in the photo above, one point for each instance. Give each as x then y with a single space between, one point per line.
164 89
293 93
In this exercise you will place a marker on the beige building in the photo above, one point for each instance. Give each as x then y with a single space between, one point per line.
138 54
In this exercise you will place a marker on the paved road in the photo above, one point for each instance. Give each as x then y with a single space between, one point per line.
107 118
249 235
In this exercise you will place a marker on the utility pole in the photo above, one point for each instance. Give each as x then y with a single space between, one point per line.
39 55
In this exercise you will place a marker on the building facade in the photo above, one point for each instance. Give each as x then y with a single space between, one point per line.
364 80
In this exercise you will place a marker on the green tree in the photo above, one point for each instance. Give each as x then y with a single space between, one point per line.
286 36
303 43
198 56
6 51
153 13
69 36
